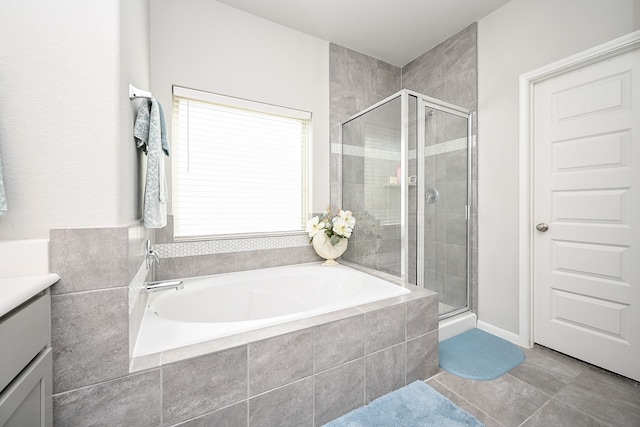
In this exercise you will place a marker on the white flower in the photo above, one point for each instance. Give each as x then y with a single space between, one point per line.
347 216
341 228
314 226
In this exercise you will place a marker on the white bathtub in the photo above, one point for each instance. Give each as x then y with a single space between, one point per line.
218 306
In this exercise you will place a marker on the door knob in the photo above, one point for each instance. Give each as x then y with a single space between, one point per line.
542 227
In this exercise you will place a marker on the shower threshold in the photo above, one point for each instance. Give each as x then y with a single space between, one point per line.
455 325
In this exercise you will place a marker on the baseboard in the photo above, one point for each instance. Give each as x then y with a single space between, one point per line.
499 332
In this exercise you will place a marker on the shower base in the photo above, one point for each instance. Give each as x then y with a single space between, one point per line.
456 325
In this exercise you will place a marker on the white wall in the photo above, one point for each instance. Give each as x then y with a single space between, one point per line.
134 69
203 44
58 115
66 144
519 37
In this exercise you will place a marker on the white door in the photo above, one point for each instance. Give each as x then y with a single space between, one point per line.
587 190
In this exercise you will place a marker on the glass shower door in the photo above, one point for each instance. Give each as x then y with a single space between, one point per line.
444 202
405 175
371 172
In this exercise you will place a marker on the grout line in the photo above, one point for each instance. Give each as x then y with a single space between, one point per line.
406 347
465 400
364 376
248 381
105 382
582 412
188 421
313 378
161 397
530 385
535 412
282 386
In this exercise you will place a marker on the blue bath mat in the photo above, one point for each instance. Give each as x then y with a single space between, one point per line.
415 405
478 355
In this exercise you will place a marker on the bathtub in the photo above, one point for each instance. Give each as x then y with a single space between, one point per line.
222 305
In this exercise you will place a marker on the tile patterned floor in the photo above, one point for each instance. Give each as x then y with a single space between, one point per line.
548 390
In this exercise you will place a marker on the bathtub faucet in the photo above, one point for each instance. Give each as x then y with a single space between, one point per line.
163 284
152 256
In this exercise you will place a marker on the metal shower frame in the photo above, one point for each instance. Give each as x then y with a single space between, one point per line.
424 101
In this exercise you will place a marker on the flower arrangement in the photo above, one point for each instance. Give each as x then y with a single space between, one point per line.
337 228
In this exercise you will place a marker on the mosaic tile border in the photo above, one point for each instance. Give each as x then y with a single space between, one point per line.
210 247
372 153
446 147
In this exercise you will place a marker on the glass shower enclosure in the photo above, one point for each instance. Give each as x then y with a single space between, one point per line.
405 175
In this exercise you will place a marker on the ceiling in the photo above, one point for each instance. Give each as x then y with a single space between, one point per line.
395 31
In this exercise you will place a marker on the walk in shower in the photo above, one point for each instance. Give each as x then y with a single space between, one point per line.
405 175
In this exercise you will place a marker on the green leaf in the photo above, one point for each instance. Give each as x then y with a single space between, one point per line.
335 239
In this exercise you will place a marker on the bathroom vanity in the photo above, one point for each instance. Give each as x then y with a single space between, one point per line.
25 351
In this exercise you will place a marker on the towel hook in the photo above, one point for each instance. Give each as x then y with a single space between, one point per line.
134 93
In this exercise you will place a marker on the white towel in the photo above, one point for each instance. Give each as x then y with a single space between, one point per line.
148 132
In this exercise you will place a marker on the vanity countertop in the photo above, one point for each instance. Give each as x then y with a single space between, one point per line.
16 290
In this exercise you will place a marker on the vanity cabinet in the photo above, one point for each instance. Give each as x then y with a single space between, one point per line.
26 364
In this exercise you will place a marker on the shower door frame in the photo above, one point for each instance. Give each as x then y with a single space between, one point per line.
422 102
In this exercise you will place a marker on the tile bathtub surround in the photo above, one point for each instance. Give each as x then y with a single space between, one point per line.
129 401
204 384
339 342
289 406
338 391
91 338
308 376
90 311
277 361
89 258
385 327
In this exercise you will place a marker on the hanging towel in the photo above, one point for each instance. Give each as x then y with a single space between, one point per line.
148 132
141 128
3 197
163 131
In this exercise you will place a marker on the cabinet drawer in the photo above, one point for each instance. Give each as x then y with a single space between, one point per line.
23 333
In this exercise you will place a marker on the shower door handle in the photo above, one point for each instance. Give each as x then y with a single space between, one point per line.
542 227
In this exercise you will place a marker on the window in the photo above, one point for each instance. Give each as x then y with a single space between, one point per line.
240 167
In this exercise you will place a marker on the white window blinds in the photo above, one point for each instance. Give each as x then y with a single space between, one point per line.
240 167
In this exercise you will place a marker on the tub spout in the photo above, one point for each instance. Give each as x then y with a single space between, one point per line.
163 284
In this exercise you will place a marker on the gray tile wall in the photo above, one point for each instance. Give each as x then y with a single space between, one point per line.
90 321
449 72
358 81
179 267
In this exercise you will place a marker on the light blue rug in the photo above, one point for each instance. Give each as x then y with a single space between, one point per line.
414 405
478 355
